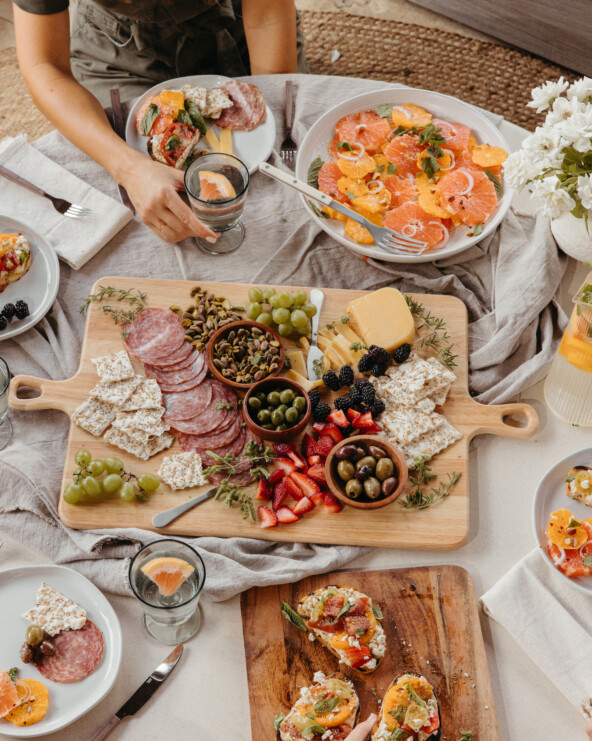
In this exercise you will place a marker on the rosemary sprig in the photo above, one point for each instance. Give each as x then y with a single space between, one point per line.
419 497
260 458
133 296
435 337
222 465
236 495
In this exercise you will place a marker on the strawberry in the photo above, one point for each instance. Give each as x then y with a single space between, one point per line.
317 473
280 492
314 460
263 490
267 517
286 516
306 485
338 418
334 432
352 414
276 476
331 504
325 445
304 505
292 487
288 450
286 464
318 498
318 427
309 446
364 421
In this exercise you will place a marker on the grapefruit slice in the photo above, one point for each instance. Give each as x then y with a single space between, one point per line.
468 195
168 573
213 186
401 189
366 128
412 221
403 152
328 177
456 135
9 698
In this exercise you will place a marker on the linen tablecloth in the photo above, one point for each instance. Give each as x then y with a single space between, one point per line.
509 283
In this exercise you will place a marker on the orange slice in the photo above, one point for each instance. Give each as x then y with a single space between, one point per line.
487 156
456 135
417 116
347 185
445 161
358 169
380 160
403 152
401 189
329 176
357 232
374 202
213 186
9 698
168 573
332 213
471 207
557 530
412 221
34 707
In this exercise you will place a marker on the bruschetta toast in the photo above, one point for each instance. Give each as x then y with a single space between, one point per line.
15 258
327 710
578 484
409 711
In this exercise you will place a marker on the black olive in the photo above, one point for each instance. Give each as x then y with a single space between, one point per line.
26 653
47 648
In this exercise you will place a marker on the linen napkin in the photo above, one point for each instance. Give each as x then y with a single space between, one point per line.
551 621
75 241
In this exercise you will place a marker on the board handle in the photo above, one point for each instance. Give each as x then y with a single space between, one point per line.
52 396
496 420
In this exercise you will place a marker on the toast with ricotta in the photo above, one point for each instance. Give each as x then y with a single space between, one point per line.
347 623
15 258
409 705
578 484
327 710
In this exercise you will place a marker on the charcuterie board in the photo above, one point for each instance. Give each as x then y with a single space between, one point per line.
432 628
442 526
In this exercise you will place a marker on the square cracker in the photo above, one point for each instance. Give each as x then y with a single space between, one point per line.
147 395
114 367
431 443
117 392
182 471
94 416
407 424
53 612
143 450
147 420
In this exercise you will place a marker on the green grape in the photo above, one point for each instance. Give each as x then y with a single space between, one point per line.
148 482
285 300
286 329
265 318
268 293
112 483
80 473
128 492
309 309
304 331
299 298
96 467
253 311
255 295
299 319
113 465
92 487
72 493
274 301
280 316
82 457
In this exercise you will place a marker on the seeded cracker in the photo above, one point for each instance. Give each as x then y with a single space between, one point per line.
116 393
94 416
407 424
146 396
114 367
182 471
431 443
140 450
146 420
53 612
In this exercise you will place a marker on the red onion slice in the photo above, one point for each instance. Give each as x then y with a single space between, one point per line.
470 180
352 156
409 230
446 237
561 558
402 110
452 158
379 186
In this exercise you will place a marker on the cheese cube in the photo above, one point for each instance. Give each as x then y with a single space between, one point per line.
304 382
296 358
343 345
382 318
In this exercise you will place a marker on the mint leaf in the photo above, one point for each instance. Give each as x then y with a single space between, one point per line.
466 736
574 523
184 117
350 195
414 696
477 229
152 113
294 617
570 478
196 116
313 728
312 177
172 143
344 610
384 111
499 188
587 560
278 720
430 166
391 169
345 145
399 734
321 214
13 673
380 168
399 713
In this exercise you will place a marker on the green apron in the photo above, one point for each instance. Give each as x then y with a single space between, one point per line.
135 45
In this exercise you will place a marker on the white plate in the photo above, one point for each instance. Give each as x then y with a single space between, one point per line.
251 147
550 496
38 287
440 106
67 702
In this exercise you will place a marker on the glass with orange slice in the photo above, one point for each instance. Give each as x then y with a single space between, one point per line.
167 577
216 185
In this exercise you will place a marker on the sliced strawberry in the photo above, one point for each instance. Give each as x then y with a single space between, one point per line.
309 446
306 485
263 490
267 517
286 465
331 503
364 420
318 499
276 476
292 487
286 516
338 418
352 414
333 431
317 473
304 505
318 427
289 450
358 656
325 445
372 429
313 460
280 492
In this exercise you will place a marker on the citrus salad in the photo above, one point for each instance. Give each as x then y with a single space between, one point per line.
401 168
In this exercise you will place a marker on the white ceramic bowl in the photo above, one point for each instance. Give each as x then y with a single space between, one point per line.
440 106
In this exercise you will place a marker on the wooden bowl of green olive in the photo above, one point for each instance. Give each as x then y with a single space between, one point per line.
366 472
276 409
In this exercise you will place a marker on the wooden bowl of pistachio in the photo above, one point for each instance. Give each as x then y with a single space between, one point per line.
244 353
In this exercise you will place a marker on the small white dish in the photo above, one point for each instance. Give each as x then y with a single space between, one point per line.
67 702
251 147
550 496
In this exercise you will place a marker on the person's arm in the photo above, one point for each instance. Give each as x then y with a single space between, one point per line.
270 30
43 48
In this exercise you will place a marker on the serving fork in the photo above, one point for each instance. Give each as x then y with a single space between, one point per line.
289 147
385 239
60 204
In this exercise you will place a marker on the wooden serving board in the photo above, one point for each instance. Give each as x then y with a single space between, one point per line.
432 627
443 526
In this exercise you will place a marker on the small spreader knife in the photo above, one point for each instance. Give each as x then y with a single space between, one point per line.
162 519
315 353
142 694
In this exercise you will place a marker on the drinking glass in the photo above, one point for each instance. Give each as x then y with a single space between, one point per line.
5 426
172 618
223 214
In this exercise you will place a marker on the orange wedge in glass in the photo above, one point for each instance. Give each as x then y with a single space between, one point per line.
213 186
168 573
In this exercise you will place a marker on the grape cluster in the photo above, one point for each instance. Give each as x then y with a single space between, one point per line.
290 313
87 481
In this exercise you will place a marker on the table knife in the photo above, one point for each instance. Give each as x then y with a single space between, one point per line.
162 519
142 694
315 353
119 128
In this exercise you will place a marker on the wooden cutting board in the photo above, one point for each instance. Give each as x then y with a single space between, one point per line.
432 627
443 526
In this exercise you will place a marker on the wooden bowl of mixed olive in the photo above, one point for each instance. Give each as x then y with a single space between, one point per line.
242 353
366 472
276 409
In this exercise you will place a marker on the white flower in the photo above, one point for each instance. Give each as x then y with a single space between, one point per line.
585 190
581 89
543 96
578 129
520 168
555 201
562 111
545 147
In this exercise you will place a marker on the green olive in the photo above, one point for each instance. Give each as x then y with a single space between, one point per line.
273 399
367 460
268 426
262 397
277 417
280 428
292 416
385 468
264 416
282 408
299 403
346 470
372 488
287 396
254 403
353 489
34 635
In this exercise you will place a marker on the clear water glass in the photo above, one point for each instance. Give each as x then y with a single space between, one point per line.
5 426
169 619
222 216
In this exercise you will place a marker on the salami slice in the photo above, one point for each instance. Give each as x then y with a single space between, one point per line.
176 359
211 418
175 375
154 333
77 654
214 440
248 109
181 405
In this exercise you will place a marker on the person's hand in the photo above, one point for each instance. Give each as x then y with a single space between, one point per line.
589 729
361 731
152 188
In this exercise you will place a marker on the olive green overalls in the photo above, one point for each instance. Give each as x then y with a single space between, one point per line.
134 45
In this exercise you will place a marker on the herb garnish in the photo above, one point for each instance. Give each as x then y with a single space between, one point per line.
318 367
313 728
152 113
466 736
227 405
357 346
477 229
384 111
196 116
399 713
326 705
13 673
312 177
345 319
415 697
132 296
317 211
574 523
418 497
399 734
172 143
499 188
344 610
345 145
277 721
377 612
293 617
391 169
436 337
570 478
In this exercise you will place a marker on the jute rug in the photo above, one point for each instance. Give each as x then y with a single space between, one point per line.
486 74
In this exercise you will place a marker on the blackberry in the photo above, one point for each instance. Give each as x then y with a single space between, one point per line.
368 394
355 395
21 310
343 403
366 363
377 407
321 412
315 397
9 311
346 376
331 381
3 322
379 354
402 353
361 382
379 369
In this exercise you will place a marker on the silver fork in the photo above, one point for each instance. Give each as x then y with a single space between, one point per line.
289 147
386 239
60 204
